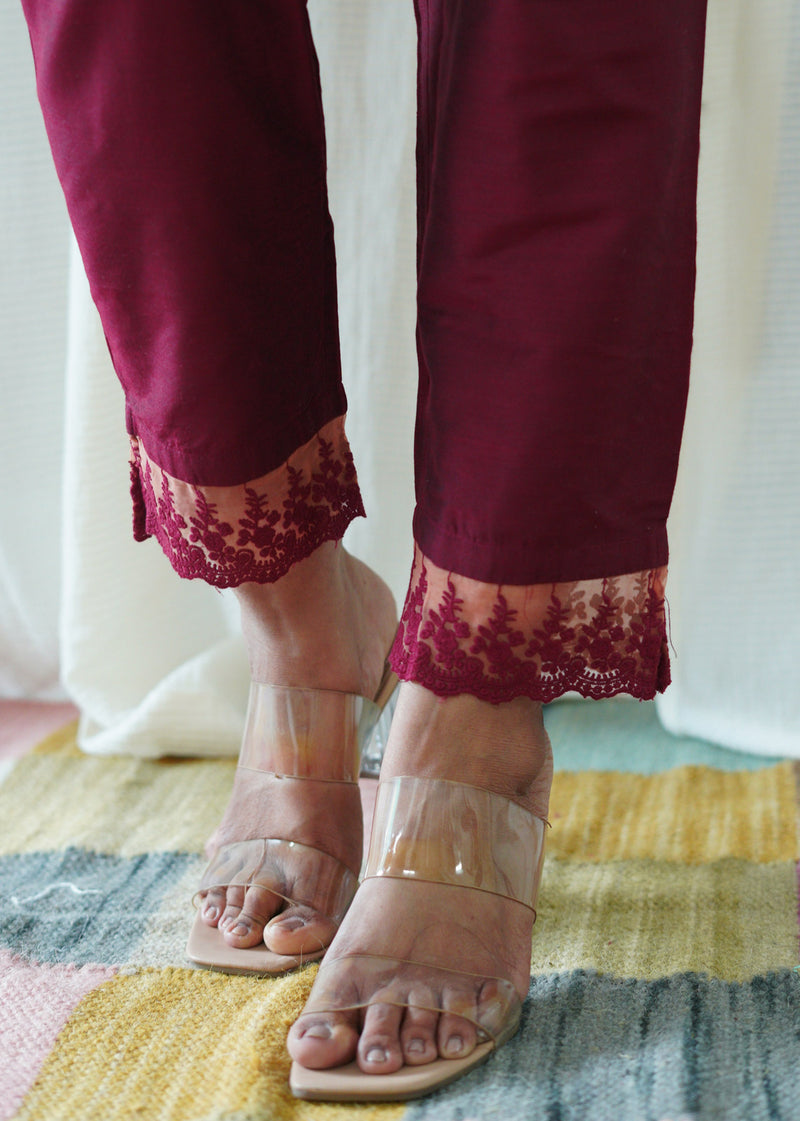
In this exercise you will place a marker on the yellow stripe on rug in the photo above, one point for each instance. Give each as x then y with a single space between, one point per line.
731 919
689 815
181 1045
127 807
112 804
64 741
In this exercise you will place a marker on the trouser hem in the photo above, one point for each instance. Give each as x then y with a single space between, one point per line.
596 637
253 532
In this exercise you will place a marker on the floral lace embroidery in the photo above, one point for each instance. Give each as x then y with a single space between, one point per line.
595 637
252 532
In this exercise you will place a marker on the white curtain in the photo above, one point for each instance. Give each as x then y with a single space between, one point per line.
33 305
735 526
155 663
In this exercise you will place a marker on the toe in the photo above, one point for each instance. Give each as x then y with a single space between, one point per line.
234 898
299 930
247 927
213 905
319 1040
456 1033
379 1050
418 1033
498 1007
456 1037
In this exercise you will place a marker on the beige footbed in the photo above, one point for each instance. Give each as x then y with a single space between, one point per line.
350 1084
207 947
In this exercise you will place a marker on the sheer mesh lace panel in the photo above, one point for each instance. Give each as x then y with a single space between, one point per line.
595 637
255 531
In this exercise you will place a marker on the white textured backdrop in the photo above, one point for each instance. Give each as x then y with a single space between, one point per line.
735 526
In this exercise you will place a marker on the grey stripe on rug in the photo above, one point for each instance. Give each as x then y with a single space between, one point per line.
591 1048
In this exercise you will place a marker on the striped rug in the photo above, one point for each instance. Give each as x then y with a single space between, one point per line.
665 982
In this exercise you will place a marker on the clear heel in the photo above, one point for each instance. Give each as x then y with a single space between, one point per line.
375 748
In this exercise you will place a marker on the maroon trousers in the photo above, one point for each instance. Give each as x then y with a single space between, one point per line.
557 162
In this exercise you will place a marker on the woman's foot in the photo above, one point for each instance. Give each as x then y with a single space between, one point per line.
503 749
326 625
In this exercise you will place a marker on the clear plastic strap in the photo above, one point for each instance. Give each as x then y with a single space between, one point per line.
450 833
284 728
297 873
358 980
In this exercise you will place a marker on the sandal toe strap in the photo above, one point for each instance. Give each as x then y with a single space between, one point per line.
297 873
356 981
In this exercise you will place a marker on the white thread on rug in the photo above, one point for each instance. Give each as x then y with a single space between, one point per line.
63 884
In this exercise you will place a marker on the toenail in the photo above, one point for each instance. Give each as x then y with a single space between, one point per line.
319 1031
454 1045
210 912
416 1046
241 927
293 922
376 1055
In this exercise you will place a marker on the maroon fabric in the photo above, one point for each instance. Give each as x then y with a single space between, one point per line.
189 142
557 175
558 144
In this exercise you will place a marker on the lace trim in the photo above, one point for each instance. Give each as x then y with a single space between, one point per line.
256 531
595 637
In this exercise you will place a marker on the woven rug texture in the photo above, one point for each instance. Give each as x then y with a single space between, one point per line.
665 981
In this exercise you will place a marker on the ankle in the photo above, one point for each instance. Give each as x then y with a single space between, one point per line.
503 748
289 605
326 624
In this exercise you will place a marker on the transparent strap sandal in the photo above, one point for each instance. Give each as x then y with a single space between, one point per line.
431 832
283 732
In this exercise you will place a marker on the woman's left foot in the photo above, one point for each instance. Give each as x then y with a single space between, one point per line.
466 936
324 628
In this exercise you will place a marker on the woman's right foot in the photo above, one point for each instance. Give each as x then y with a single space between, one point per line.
369 1002
326 625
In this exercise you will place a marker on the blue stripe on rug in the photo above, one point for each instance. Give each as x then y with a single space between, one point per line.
591 1048
82 907
622 735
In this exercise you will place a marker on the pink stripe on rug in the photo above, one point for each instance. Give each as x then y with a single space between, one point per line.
36 1002
23 724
